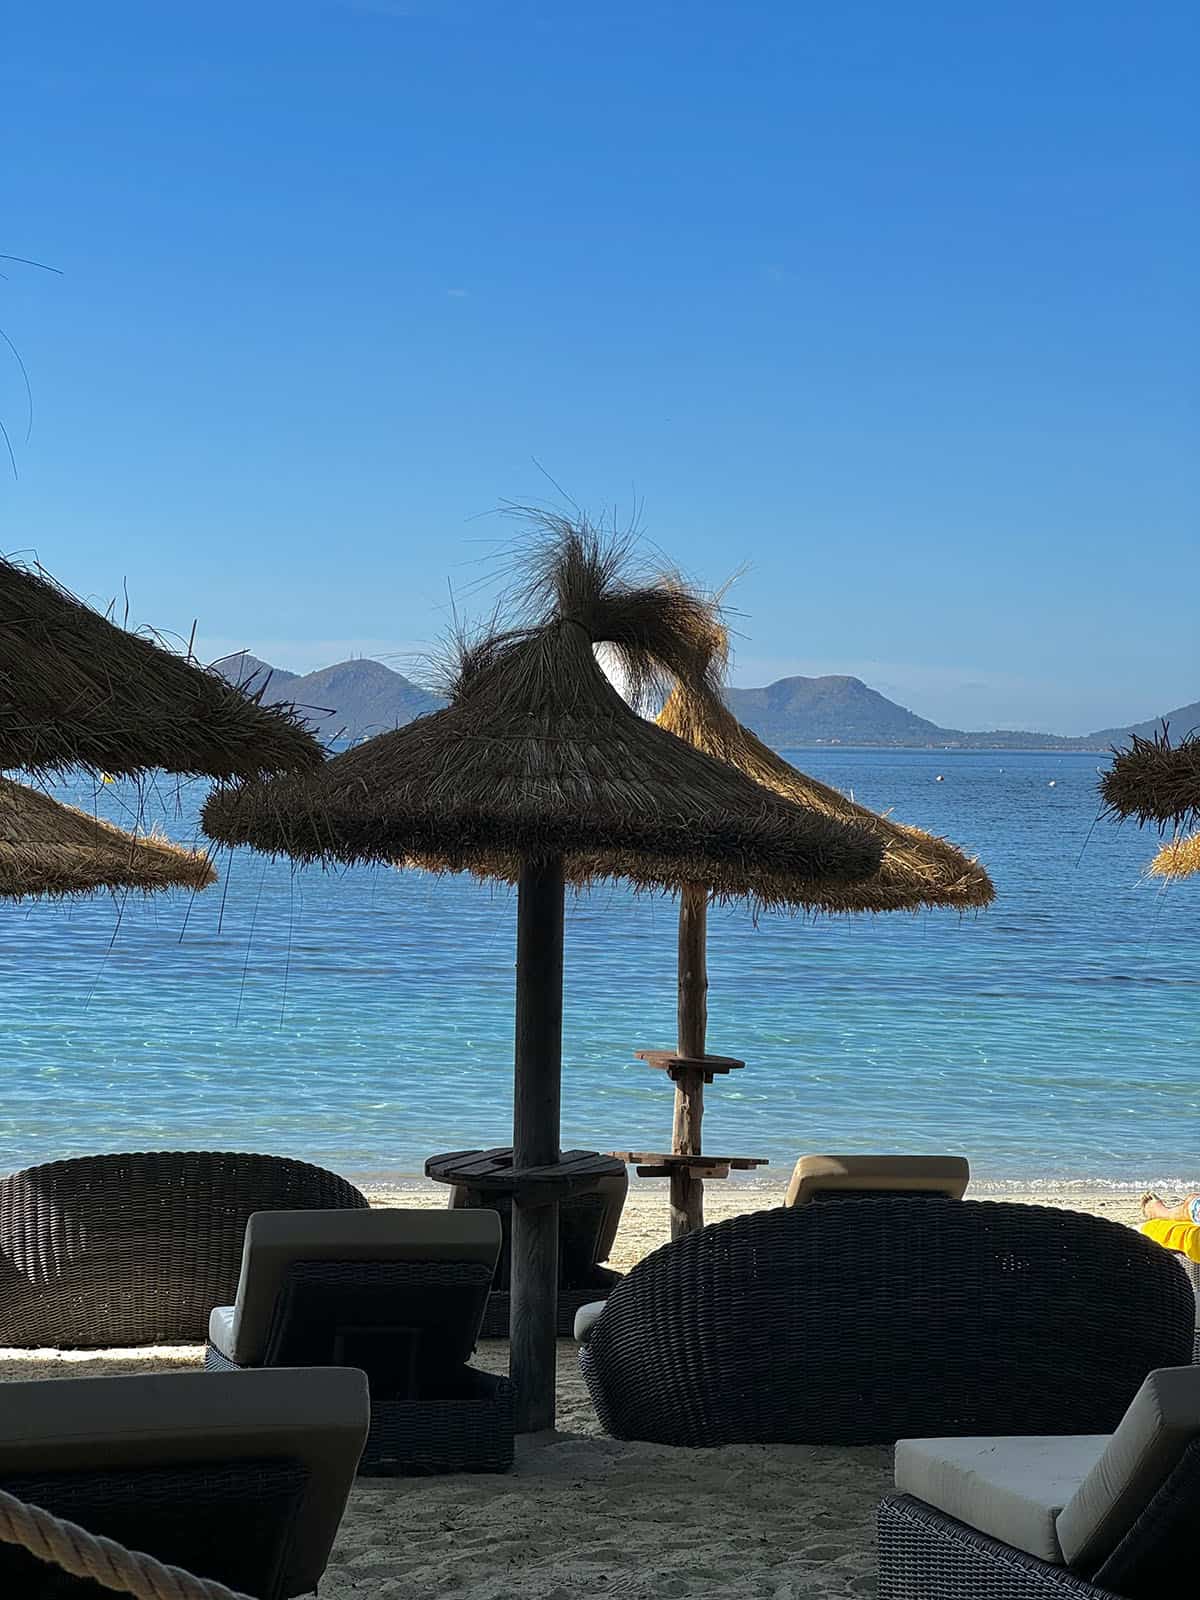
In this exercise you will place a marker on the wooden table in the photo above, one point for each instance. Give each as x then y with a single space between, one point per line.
493 1172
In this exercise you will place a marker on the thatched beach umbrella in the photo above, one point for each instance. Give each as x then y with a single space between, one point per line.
76 690
538 770
50 849
1178 858
917 871
1155 781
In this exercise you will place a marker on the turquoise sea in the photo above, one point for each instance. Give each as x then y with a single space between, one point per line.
363 1019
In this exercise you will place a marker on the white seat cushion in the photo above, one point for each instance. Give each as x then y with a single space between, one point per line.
220 1330
1010 1488
1162 1420
586 1319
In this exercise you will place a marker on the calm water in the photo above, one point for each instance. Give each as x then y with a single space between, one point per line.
363 1018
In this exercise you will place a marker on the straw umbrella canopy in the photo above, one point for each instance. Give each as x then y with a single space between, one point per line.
1178 858
1155 781
51 849
539 766
76 690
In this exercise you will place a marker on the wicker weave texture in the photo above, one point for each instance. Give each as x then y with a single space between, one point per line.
137 1249
924 1555
232 1522
878 1319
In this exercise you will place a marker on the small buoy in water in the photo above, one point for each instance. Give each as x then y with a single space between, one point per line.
939 779
1052 782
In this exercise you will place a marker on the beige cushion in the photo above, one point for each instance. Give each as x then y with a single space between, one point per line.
1011 1488
1162 1420
948 1175
586 1319
277 1239
318 1416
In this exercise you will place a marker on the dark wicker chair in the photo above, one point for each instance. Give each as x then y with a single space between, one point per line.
244 1481
137 1249
399 1294
587 1229
926 1555
870 1320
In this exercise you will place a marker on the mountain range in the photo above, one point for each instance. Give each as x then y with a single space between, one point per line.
354 699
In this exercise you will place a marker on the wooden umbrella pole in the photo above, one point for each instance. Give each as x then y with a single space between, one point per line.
687 1189
537 1084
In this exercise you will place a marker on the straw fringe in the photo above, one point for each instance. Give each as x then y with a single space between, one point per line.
1178 858
76 690
50 849
918 869
1155 781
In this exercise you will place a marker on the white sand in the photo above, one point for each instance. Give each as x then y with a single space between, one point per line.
585 1515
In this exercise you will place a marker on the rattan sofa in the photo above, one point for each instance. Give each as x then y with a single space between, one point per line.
1035 1518
137 1249
398 1293
242 1480
587 1230
869 1320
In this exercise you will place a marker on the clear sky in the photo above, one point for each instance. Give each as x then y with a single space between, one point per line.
896 304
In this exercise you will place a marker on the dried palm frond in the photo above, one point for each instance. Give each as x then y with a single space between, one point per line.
917 870
1178 858
76 690
47 848
1155 781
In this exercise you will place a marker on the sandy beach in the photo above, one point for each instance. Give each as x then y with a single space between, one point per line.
582 1514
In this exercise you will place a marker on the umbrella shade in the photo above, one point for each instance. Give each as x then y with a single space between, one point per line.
538 767
917 870
1179 858
47 848
1155 781
76 690
539 757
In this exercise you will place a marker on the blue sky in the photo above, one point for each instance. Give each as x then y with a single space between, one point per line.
893 304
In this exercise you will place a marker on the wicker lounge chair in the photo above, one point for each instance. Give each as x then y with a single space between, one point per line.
1032 1518
822 1177
866 1321
399 1294
242 1480
137 1249
587 1230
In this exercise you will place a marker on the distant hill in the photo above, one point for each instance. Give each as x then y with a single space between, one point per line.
1182 720
352 699
816 710
358 698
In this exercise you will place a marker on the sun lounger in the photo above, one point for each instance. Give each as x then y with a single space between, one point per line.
241 1479
398 1293
587 1231
137 1249
1183 1240
822 1177
868 1320
1032 1518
